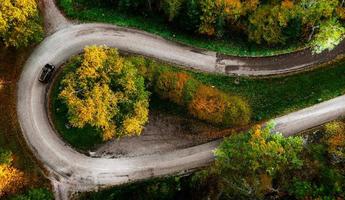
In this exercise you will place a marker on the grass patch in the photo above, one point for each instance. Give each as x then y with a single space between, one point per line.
268 98
157 188
231 45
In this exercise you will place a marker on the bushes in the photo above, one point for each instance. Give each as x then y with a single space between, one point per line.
170 85
208 104
202 101
335 139
214 106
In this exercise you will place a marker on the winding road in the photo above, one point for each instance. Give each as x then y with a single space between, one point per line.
72 171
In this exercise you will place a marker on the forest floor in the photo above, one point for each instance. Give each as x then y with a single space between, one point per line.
11 138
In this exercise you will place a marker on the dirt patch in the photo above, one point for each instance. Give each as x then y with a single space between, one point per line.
164 133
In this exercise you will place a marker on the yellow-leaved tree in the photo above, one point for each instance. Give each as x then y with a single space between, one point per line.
19 22
11 179
106 92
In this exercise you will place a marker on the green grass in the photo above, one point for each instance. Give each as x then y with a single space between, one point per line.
157 188
268 98
273 97
235 45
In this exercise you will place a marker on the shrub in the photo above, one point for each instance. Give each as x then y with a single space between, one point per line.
170 85
202 101
208 104
335 139
237 112
147 68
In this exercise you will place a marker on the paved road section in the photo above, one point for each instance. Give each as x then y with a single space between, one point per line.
53 18
147 44
84 172
71 170
311 117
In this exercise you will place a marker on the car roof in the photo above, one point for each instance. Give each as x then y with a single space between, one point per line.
49 66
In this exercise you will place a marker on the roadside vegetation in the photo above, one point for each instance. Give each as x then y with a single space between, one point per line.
202 101
216 99
257 164
105 95
244 28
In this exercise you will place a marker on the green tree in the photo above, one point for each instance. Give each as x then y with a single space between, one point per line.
172 8
248 163
189 17
312 12
208 17
267 23
331 33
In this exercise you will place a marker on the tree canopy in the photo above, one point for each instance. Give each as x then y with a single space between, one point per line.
105 91
331 33
11 179
272 22
249 162
19 23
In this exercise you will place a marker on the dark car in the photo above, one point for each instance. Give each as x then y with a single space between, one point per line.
46 73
